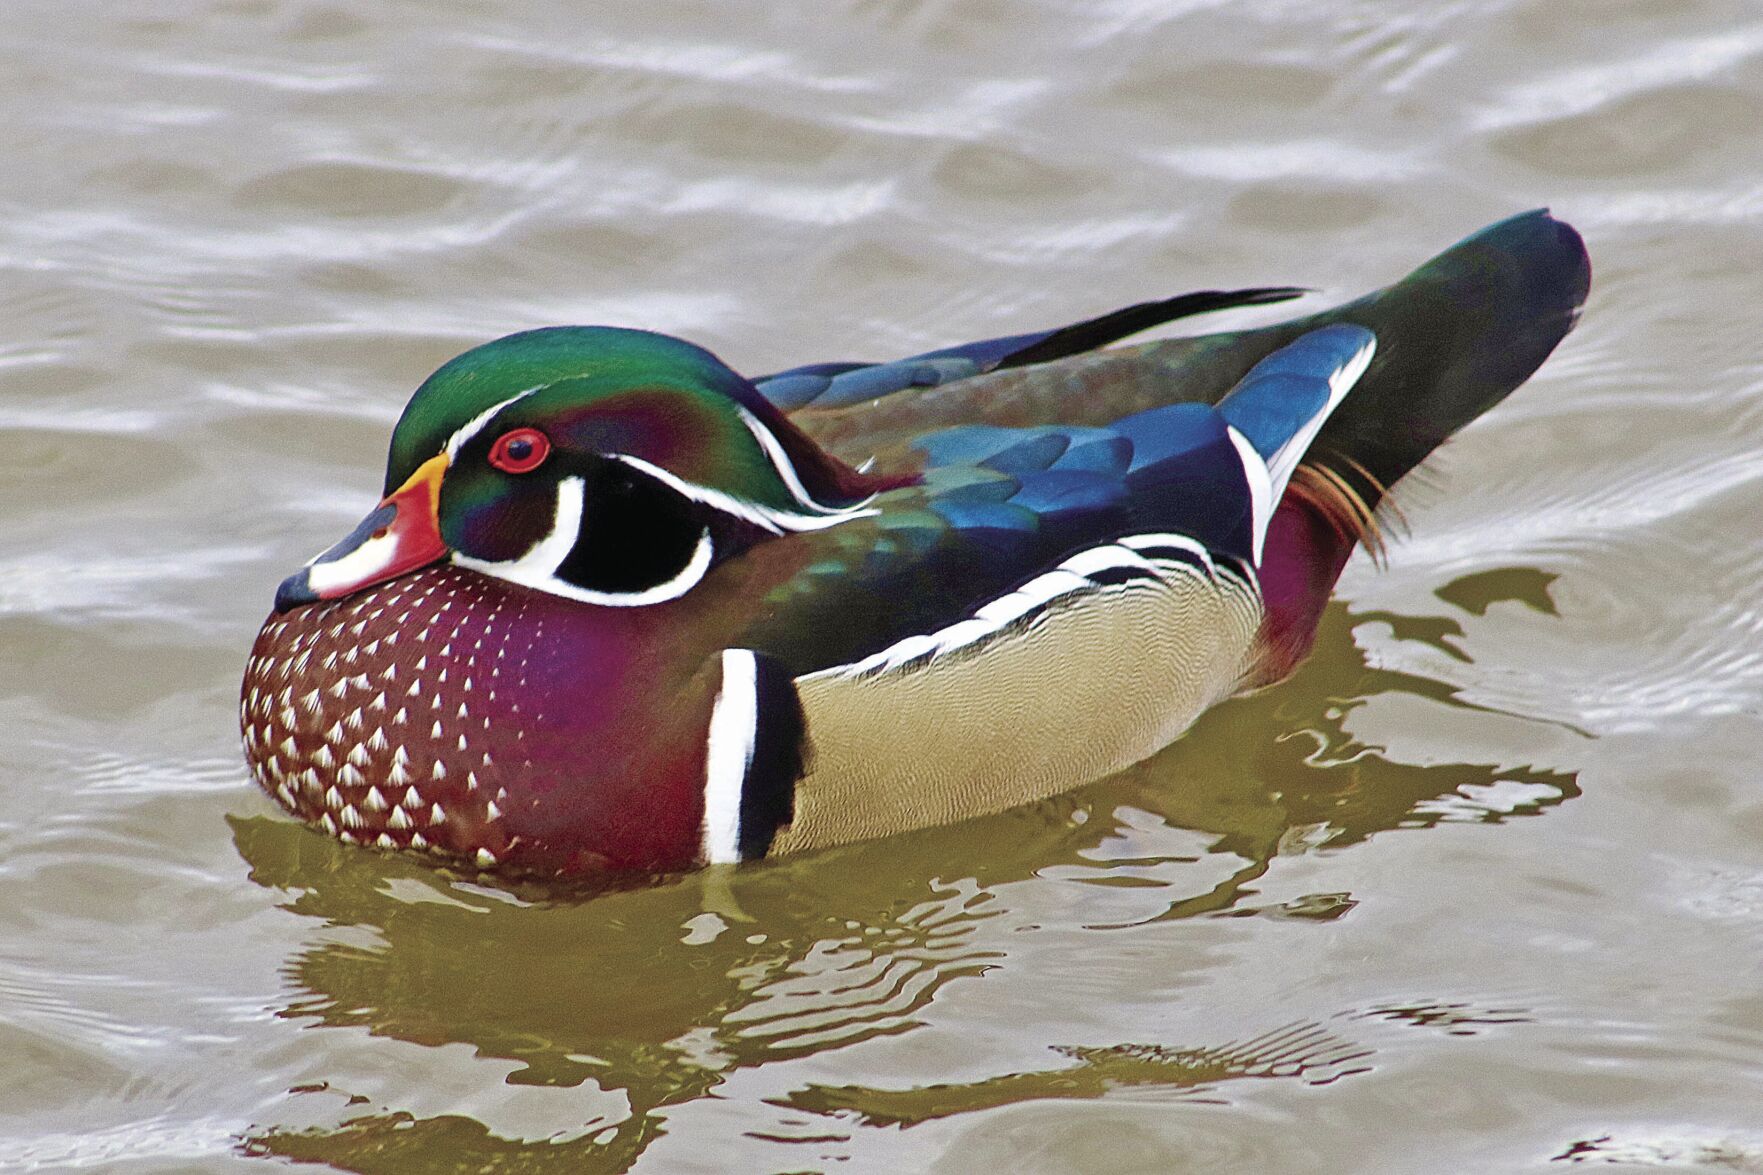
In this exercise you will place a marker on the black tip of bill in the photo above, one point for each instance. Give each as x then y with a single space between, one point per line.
295 590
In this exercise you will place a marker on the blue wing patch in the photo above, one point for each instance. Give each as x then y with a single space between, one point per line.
1054 488
1034 453
1160 435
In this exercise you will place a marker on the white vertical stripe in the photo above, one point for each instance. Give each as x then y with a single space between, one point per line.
734 722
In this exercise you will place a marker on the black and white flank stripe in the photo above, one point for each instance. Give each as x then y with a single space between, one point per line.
1141 560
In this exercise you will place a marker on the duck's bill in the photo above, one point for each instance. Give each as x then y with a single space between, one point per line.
401 535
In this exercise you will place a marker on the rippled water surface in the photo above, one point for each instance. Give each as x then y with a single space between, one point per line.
1480 890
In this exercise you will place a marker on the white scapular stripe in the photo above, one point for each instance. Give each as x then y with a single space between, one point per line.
537 568
734 723
1068 578
1259 480
1284 461
1268 477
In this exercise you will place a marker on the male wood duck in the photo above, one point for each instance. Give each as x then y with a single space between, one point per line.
622 608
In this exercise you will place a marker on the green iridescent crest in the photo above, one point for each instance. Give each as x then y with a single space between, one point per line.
655 400
592 360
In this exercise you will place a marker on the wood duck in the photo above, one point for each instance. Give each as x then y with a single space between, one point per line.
624 609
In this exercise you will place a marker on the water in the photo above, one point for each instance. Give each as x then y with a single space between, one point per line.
1481 889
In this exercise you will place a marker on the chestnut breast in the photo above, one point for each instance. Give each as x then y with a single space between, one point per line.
460 715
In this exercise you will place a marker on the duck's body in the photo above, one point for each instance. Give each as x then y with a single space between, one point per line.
624 609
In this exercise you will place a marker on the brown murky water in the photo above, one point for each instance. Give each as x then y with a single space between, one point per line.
1481 890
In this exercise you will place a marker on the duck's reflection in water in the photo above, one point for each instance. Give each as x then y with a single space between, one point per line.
648 995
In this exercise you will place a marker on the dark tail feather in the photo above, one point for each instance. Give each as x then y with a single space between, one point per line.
1454 339
1099 332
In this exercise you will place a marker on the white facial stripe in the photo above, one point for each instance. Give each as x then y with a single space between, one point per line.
780 460
537 568
475 425
717 500
728 755
776 521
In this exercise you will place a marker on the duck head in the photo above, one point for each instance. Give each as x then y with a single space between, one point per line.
607 466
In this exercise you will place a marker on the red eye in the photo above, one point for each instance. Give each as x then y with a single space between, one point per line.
520 451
